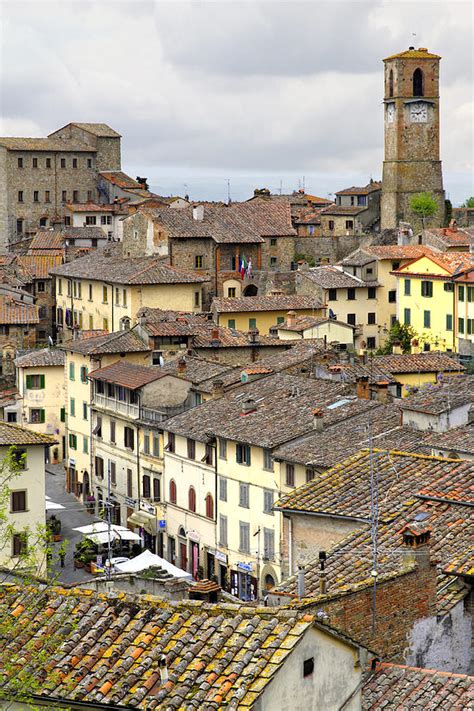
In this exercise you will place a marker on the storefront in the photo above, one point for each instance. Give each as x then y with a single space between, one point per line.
194 561
243 584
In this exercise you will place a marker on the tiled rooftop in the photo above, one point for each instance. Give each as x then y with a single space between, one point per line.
393 686
302 323
40 358
39 265
449 393
17 435
365 255
277 302
119 270
90 343
128 375
458 237
452 262
106 649
458 439
412 53
343 210
430 362
17 312
333 277
198 369
371 187
122 180
101 130
45 144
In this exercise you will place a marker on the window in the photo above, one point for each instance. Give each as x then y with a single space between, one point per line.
91 322
427 288
117 296
244 537
84 411
267 460
222 448
156 444
351 319
89 162
113 472
99 467
309 475
19 544
156 489
392 297
129 483
461 292
351 294
242 454
461 325
308 666
407 317
222 489
231 323
470 323
362 200
98 426
252 323
74 162
209 506
17 501
20 196
72 441
223 530
349 224
63 162
146 442
71 371
243 495
19 226
146 486
273 242
43 221
191 449
104 294
449 322
103 220
231 291
64 195
129 437
89 196
48 162
20 162
72 407
124 297
390 93
448 286
470 294
35 382
91 220
427 319
268 501
11 417
371 318
290 474
171 446
172 491
85 445
19 457
371 292
273 262
105 324
332 294
67 222
331 224
208 458
47 196
371 342
418 82
62 415
90 292
75 196
407 285
280 319
268 544
198 261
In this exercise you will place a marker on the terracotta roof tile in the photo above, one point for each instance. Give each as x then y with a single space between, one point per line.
40 358
95 343
128 375
39 266
458 439
101 130
16 435
46 144
447 394
280 302
122 180
334 277
16 312
365 190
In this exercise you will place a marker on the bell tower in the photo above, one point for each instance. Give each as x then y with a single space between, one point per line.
411 129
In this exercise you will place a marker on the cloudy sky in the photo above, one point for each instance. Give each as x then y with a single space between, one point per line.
261 93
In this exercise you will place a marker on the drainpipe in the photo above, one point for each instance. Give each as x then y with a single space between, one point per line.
290 545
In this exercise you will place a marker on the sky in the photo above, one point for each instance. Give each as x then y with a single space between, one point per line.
213 98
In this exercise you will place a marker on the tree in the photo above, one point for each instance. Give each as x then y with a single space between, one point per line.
469 202
424 205
448 212
399 333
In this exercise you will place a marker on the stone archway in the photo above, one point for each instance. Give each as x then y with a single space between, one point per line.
250 290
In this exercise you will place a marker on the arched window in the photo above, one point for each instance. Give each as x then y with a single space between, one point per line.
172 491
191 499
418 82
390 83
250 290
209 506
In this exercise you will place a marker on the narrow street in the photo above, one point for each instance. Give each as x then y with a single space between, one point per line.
73 515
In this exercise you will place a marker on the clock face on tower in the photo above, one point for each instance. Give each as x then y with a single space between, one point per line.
419 112
390 113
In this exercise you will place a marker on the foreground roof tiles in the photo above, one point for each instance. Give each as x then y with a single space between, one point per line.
448 394
16 435
93 343
41 358
16 312
128 375
105 649
280 302
393 686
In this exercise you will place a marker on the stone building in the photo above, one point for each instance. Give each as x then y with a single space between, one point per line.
412 163
38 176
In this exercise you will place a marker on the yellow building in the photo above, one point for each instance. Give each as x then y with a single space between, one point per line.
427 299
83 355
40 382
25 513
464 292
105 292
263 312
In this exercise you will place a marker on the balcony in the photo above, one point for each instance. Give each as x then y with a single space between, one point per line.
119 406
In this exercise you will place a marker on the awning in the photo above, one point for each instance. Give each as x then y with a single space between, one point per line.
144 520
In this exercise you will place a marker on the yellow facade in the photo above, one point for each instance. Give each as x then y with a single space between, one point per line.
103 305
43 406
263 320
426 301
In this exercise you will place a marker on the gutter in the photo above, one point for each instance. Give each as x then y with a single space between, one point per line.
322 514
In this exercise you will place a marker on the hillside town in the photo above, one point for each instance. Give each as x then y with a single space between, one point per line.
237 437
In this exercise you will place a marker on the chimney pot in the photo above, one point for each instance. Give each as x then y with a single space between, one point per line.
318 419
416 542
397 348
362 387
215 334
291 318
217 388
181 367
248 405
198 212
300 585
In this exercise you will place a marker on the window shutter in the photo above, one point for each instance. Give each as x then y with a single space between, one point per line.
42 413
63 414
42 381
28 382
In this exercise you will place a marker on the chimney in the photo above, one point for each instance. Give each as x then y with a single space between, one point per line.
291 318
397 348
215 340
453 225
300 587
416 543
382 392
248 405
322 573
363 390
198 212
253 335
217 388
181 367
415 345
318 419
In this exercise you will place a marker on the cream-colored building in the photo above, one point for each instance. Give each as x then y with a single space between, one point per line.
103 291
25 513
42 392
304 327
83 355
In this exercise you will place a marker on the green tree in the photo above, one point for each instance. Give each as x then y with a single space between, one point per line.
424 205
399 333
469 202
448 212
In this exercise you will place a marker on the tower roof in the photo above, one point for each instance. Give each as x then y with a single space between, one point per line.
412 53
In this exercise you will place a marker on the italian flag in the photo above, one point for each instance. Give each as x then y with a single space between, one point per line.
243 266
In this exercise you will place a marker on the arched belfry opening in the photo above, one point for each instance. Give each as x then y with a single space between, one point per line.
418 82
390 83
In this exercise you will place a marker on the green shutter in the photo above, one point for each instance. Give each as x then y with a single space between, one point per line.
28 382
41 416
42 382
71 371
63 414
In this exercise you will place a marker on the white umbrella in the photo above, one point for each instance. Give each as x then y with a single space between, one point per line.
50 505
120 535
146 560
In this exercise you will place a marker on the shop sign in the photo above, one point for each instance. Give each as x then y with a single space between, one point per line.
72 462
194 536
221 557
246 567
148 508
162 523
131 503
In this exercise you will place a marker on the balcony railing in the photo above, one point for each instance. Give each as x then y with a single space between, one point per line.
111 403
